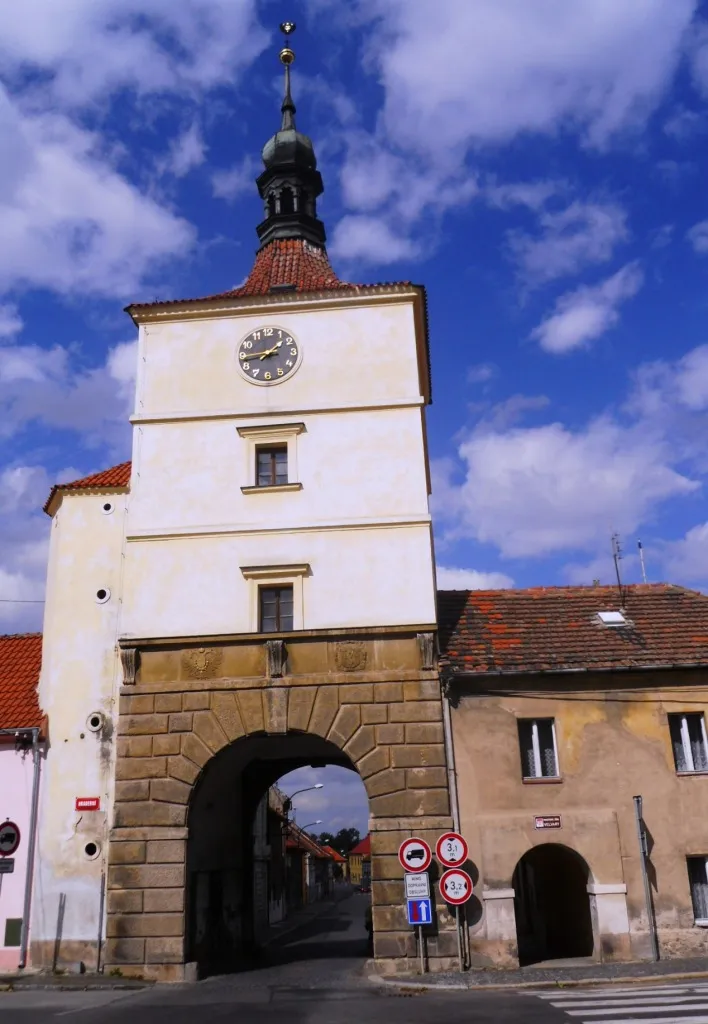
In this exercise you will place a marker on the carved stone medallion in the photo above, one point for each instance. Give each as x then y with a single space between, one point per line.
202 662
350 656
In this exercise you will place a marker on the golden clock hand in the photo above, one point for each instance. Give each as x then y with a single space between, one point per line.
272 350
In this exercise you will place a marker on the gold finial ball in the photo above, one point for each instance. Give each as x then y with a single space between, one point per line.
287 56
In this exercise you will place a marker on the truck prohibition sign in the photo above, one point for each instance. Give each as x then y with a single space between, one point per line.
415 855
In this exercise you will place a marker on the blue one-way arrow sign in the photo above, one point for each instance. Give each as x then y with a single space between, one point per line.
419 911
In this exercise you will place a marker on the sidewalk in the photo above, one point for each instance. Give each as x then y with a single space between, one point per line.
547 976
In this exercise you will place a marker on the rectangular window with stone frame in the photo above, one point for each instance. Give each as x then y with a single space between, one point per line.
271 465
275 609
537 744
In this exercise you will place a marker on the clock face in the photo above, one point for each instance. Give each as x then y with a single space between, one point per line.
268 355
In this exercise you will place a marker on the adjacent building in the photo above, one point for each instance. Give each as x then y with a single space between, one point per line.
567 704
23 735
359 861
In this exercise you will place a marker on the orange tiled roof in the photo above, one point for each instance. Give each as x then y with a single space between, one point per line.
287 264
20 662
556 629
115 478
335 854
363 848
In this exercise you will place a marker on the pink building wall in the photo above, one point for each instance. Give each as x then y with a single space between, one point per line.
15 803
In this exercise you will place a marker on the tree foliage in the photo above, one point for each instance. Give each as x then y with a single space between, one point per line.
343 841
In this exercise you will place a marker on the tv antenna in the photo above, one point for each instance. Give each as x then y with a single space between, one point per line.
617 558
641 561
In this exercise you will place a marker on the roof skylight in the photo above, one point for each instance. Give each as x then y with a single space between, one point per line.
612 618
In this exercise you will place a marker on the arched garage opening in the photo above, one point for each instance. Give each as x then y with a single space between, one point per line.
551 903
243 870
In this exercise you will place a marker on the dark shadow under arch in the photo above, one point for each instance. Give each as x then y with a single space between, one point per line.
221 926
552 906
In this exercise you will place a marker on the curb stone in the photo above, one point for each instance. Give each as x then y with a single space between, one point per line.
652 979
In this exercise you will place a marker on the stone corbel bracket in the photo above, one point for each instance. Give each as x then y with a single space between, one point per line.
426 646
129 659
277 656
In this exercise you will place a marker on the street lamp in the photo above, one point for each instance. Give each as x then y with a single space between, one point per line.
288 802
303 827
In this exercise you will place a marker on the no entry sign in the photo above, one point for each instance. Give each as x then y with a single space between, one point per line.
9 838
415 855
455 886
451 849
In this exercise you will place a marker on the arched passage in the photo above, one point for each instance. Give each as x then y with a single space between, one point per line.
237 866
551 904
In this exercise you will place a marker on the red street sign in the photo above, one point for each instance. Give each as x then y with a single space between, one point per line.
451 849
9 838
88 803
415 855
455 886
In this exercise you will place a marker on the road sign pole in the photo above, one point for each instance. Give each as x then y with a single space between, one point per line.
421 940
459 937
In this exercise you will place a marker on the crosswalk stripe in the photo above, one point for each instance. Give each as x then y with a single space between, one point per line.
641 1001
634 1008
660 1020
600 993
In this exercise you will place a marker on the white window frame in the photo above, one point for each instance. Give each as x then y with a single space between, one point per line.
702 922
273 576
686 742
536 749
270 435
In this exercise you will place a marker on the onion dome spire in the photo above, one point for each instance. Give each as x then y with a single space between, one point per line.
290 183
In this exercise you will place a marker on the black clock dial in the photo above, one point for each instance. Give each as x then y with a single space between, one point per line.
268 355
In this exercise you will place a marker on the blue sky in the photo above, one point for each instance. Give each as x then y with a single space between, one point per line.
539 166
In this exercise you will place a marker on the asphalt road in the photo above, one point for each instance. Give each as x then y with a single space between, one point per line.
315 976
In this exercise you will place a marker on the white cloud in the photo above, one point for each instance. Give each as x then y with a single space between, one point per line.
10 320
582 315
578 236
186 152
686 560
685 124
698 237
457 74
471 579
80 52
230 184
370 239
533 491
46 386
698 56
481 373
68 220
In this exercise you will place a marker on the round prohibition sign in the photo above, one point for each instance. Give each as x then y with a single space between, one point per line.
415 855
9 838
455 886
451 849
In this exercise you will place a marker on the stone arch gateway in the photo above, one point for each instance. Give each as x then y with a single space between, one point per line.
374 698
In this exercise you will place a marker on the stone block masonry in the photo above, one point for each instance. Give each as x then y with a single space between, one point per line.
386 721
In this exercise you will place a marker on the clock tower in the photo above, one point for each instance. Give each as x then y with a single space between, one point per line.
268 598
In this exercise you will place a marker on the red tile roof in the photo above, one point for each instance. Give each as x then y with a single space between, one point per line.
287 265
289 261
334 854
117 478
556 629
362 849
20 662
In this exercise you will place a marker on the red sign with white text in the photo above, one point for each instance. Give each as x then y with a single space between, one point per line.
88 803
